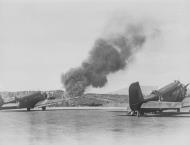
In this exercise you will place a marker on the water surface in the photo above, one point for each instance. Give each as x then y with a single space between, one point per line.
91 127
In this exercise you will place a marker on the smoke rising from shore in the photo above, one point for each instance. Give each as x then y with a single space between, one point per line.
109 54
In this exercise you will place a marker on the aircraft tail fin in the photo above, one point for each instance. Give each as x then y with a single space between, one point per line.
135 96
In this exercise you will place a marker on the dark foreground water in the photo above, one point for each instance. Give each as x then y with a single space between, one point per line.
91 127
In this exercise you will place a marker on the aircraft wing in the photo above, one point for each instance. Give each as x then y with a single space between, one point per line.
161 105
48 102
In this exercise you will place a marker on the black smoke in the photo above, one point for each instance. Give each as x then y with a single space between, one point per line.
108 55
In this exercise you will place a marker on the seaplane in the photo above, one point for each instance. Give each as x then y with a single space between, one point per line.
35 100
170 97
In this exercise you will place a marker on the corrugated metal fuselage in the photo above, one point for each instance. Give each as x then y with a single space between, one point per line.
30 100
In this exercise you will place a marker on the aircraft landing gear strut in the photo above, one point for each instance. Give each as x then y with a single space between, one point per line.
140 113
43 108
136 113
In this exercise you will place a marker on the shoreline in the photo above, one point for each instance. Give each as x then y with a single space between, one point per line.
87 108
122 109
72 108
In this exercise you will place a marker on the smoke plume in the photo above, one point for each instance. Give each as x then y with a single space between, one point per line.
108 55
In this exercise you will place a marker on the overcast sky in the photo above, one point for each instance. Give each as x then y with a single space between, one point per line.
42 39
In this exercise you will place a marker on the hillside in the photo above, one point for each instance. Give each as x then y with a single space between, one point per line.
84 100
125 91
100 100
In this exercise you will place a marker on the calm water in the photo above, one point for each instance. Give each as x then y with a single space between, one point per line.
90 127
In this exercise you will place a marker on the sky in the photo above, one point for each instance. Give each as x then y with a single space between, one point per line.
42 39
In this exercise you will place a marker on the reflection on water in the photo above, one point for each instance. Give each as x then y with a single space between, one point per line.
94 127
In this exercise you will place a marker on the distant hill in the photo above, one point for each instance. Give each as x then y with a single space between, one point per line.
100 100
145 90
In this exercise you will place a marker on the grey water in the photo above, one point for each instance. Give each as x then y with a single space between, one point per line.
91 127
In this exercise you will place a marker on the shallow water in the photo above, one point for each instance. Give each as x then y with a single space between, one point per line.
91 127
